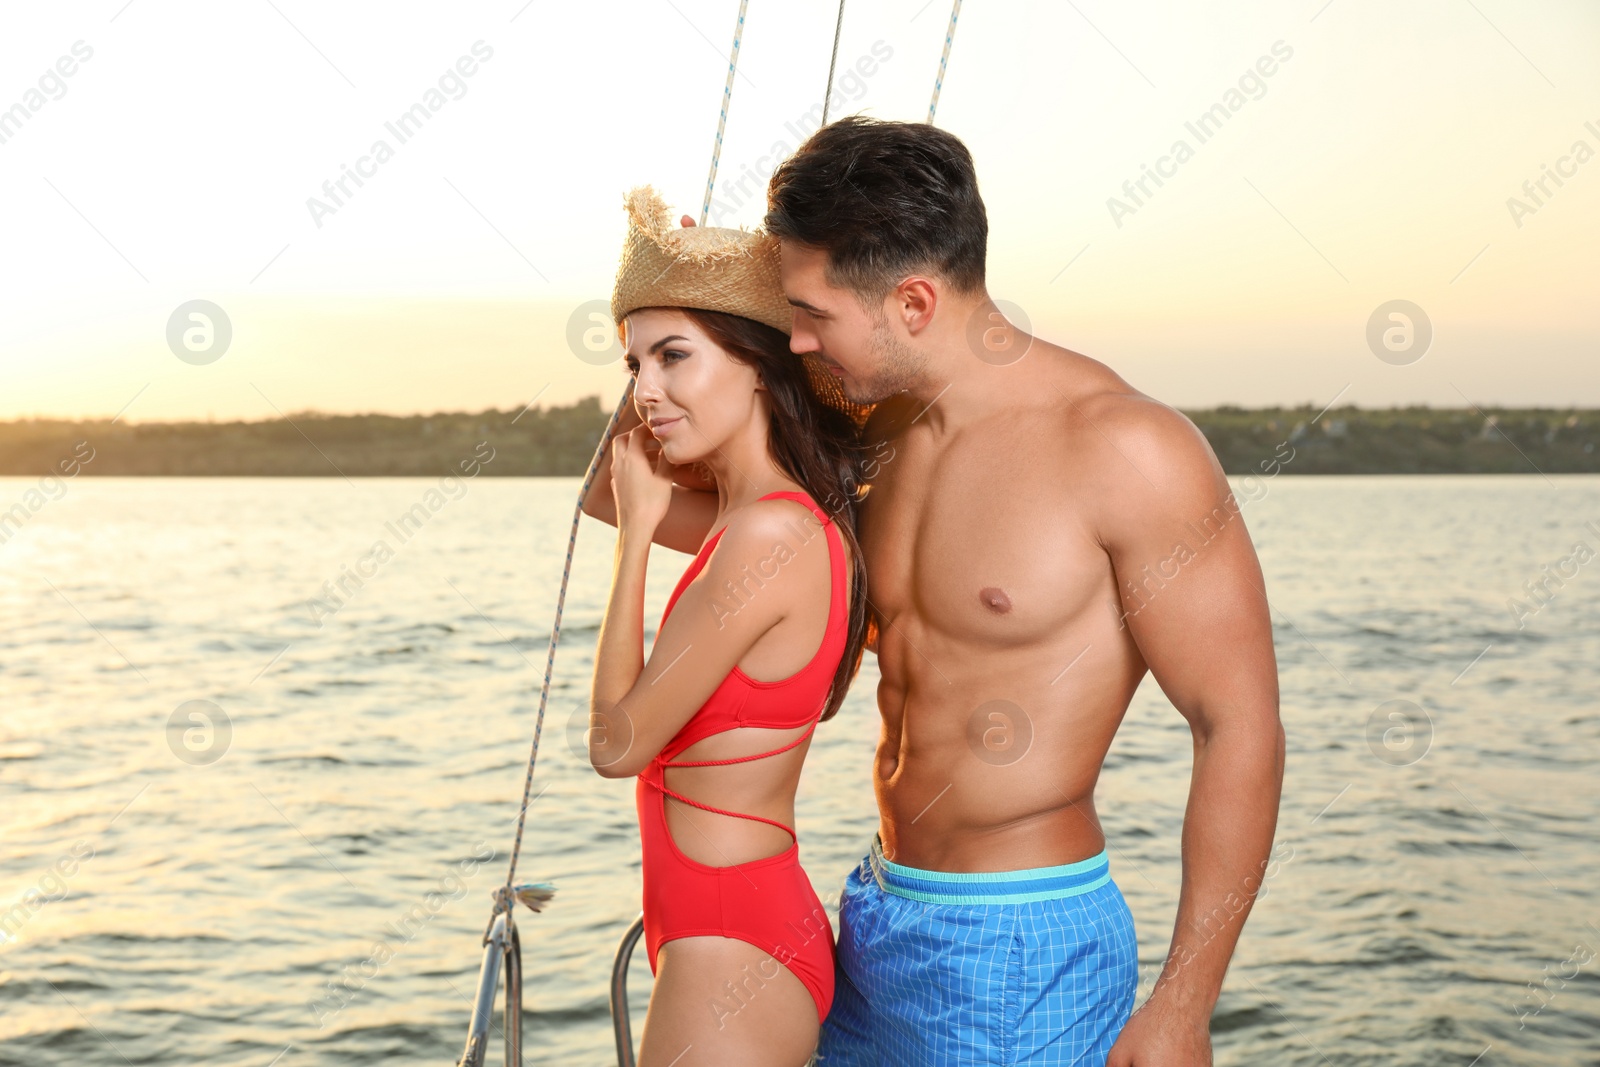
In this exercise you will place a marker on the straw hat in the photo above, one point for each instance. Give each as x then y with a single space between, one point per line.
710 268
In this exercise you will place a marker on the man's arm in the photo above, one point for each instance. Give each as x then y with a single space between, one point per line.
1195 603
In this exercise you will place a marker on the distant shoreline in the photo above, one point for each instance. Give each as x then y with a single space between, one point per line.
559 441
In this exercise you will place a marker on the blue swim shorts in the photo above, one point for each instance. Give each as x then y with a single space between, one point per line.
1010 968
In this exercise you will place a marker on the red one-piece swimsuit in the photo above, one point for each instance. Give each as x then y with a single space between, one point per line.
767 902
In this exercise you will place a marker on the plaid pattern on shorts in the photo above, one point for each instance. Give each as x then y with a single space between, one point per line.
1012 969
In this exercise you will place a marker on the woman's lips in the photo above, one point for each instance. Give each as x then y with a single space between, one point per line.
658 428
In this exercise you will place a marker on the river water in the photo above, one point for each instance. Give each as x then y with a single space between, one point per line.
245 827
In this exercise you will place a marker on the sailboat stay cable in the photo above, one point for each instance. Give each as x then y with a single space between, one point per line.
722 120
944 60
827 96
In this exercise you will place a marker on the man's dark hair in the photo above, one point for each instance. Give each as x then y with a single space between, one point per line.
884 200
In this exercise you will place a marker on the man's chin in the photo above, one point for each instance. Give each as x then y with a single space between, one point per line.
867 395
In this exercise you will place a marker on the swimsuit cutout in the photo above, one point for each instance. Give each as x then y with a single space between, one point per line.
767 902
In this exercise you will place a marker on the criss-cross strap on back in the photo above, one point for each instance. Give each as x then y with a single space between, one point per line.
662 784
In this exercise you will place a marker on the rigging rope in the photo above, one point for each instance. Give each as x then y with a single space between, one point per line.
722 120
828 95
944 60
506 894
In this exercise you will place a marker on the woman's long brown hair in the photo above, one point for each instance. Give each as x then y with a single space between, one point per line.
816 445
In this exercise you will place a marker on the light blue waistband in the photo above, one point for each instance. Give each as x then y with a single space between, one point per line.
988 887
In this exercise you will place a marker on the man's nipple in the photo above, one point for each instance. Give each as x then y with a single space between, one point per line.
995 599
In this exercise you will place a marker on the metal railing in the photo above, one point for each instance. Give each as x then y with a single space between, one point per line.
501 949
619 993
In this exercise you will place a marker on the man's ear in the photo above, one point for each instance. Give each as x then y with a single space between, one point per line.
914 301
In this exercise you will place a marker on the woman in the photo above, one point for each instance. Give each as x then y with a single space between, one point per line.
758 642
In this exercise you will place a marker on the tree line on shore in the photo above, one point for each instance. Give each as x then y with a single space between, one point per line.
558 441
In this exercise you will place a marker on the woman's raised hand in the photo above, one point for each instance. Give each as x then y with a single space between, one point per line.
690 475
640 483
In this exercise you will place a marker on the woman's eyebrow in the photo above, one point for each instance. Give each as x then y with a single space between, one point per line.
653 349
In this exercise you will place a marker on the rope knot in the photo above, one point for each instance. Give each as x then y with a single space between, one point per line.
505 898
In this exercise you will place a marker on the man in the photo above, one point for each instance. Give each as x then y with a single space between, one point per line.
1038 534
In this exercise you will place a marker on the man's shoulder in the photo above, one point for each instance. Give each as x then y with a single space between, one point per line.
1102 411
1140 453
1137 425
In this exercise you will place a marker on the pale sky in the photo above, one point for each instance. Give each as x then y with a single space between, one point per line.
1374 163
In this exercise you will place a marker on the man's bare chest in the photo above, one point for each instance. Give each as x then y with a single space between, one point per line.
979 545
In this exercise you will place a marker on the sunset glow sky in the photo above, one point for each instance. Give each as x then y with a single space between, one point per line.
1377 161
